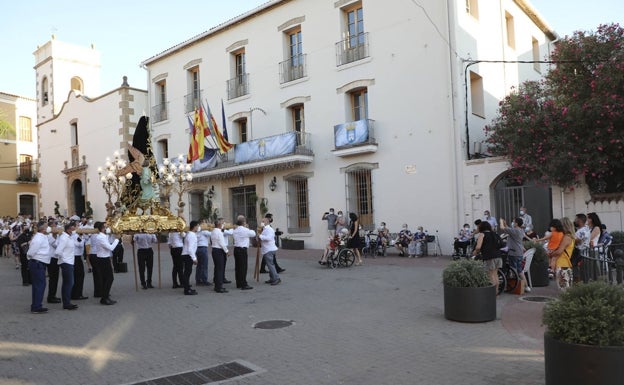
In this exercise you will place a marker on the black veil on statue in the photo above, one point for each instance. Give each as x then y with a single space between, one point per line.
142 141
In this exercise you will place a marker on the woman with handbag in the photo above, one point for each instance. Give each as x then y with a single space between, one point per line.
488 247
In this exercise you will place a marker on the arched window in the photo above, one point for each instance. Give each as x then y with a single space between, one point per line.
76 84
44 91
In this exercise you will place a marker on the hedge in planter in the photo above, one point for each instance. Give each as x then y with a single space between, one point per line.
539 264
469 296
584 339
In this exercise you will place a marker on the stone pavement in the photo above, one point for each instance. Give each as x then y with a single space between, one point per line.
380 323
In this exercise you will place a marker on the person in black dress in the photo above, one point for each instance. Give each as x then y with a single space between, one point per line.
354 242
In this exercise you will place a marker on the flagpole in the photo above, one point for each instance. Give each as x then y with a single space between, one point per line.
207 110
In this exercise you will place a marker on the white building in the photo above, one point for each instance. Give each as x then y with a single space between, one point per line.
79 127
375 94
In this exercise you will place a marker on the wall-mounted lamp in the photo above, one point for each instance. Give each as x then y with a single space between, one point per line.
273 184
210 192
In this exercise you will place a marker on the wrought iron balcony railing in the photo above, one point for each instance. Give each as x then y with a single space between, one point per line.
352 49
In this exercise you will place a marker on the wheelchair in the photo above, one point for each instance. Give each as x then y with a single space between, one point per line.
373 247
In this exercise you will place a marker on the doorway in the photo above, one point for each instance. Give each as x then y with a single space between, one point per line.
77 198
244 201
510 196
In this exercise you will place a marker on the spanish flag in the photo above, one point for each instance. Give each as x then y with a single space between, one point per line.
199 130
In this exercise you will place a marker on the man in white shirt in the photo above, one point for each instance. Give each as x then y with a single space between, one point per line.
268 249
53 267
189 257
79 272
492 220
65 253
145 257
102 262
241 236
219 254
527 220
176 242
38 259
203 241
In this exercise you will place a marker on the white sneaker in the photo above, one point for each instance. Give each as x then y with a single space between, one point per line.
527 289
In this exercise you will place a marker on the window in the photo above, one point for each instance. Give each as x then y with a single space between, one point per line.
44 91
159 112
298 122
294 67
476 95
355 44
536 55
73 128
242 130
163 149
355 26
193 99
509 26
360 195
359 104
25 129
472 8
76 84
297 204
25 167
237 86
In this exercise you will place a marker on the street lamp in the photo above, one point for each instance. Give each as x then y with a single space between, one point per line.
177 177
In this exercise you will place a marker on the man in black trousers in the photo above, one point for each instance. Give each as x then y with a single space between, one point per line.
241 236
219 254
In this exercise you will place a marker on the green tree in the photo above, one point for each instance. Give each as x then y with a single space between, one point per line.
571 125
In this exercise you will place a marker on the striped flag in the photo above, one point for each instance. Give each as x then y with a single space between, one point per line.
222 143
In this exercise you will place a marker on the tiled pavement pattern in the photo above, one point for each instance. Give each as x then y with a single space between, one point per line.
380 323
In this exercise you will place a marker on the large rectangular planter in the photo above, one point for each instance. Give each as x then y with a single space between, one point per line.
292 244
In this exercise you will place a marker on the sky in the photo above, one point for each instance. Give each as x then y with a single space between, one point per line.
129 32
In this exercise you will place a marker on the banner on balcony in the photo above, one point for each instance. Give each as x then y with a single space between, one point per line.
347 134
208 161
266 148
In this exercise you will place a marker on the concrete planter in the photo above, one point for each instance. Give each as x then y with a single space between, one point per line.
539 274
582 364
470 304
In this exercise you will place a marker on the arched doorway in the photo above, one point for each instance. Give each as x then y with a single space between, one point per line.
509 196
77 198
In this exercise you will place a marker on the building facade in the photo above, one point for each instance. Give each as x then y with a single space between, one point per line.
19 186
79 127
384 111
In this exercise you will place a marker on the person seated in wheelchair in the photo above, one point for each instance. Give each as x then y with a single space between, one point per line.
462 241
383 236
333 243
403 240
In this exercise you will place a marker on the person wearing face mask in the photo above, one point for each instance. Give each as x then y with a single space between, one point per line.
65 253
515 247
103 248
189 257
490 219
79 271
462 241
241 243
330 217
219 254
203 241
383 236
53 268
527 221
268 249
38 258
403 239
341 222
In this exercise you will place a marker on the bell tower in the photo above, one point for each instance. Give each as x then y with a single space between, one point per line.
60 69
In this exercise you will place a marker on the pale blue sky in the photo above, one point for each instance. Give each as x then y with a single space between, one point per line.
128 32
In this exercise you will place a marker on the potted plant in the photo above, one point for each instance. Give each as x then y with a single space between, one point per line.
539 264
584 338
292 244
469 295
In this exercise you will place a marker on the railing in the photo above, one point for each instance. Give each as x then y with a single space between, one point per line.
352 49
351 134
27 173
159 112
293 69
238 86
192 101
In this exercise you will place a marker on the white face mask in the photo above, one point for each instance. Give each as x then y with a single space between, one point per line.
521 212
73 232
48 230
108 230
466 228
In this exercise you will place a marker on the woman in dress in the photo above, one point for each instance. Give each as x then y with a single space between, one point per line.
354 237
487 246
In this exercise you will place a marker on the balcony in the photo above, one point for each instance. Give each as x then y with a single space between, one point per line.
159 112
277 152
293 69
192 101
355 138
352 49
27 173
238 86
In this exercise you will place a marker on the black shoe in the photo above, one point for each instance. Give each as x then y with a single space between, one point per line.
281 270
246 287
149 285
322 263
54 300
269 281
190 292
222 290
80 298
90 270
70 307
276 282
107 301
227 281
176 286
144 286
40 310
263 272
